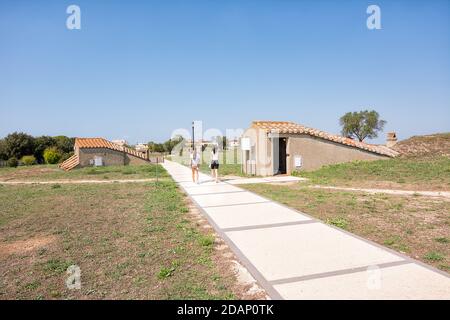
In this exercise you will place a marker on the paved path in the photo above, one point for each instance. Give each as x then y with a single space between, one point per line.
18 182
294 256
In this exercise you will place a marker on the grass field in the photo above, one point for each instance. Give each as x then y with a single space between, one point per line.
399 173
224 169
131 241
417 226
229 162
52 172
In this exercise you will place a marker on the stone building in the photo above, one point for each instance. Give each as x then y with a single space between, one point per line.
281 147
101 152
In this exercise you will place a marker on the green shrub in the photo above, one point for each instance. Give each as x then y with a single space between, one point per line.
12 162
338 222
206 241
57 266
433 256
296 173
165 272
51 155
442 240
28 160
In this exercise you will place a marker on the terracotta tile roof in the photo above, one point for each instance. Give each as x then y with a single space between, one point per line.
103 143
95 143
70 163
287 127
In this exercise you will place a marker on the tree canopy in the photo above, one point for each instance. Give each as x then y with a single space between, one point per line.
18 144
166 146
362 124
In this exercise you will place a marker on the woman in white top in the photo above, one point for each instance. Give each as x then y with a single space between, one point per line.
215 163
195 162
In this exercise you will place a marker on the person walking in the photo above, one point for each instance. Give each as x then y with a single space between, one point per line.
215 163
195 162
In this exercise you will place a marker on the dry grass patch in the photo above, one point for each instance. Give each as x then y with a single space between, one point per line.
131 241
52 172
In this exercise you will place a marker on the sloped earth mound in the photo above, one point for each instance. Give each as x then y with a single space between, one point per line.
425 146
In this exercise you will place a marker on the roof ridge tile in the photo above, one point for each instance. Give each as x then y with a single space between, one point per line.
103 143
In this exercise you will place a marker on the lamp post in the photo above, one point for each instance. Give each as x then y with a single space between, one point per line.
193 136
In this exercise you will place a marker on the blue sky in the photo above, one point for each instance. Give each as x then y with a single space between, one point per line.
140 69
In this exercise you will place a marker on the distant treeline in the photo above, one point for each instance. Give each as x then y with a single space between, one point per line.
164 147
19 146
167 147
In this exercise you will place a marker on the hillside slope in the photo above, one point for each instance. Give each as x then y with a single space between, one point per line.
425 146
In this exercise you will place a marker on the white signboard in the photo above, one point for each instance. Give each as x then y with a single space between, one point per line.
245 144
298 161
98 161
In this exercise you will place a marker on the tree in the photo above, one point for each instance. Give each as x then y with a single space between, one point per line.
166 146
171 143
64 144
19 144
3 151
361 125
40 144
155 147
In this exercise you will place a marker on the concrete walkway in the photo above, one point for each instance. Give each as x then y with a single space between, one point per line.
294 256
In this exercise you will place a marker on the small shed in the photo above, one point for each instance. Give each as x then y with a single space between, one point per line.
281 147
99 151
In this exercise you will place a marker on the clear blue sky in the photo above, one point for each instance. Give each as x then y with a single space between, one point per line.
139 69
